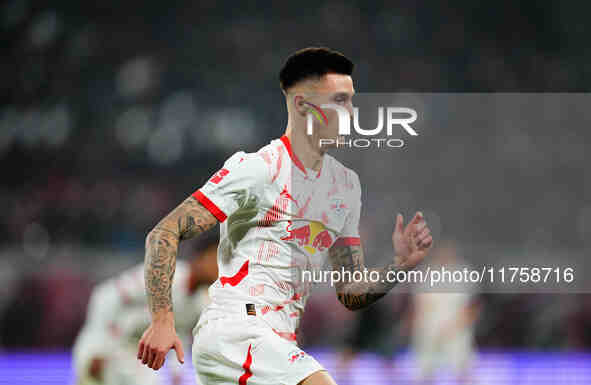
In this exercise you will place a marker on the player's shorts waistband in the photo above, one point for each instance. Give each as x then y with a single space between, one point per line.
234 311
241 310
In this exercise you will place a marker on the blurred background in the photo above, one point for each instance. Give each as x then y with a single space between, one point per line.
111 113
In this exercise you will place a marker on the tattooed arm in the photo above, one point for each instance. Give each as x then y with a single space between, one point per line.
411 246
357 295
185 221
189 219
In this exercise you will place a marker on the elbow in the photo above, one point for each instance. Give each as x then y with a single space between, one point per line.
350 301
158 233
153 238
150 237
352 308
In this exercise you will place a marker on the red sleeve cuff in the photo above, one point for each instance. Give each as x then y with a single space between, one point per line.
209 205
348 241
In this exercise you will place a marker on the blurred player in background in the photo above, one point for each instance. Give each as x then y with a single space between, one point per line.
443 324
284 210
118 314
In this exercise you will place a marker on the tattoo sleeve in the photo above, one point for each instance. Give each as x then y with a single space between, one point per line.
357 295
185 221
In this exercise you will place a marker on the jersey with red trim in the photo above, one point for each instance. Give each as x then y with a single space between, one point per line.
278 220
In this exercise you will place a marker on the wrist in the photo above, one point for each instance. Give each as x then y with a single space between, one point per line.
398 263
401 263
163 318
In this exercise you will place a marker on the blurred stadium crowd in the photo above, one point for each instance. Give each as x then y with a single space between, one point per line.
112 112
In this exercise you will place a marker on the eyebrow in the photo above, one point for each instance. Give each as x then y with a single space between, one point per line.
343 94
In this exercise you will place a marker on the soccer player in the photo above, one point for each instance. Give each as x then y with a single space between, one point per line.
118 314
443 324
283 210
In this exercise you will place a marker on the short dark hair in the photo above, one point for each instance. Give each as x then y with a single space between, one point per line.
313 62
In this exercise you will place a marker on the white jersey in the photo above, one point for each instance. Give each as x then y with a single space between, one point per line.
118 315
277 220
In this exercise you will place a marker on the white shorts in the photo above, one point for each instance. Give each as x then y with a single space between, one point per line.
245 350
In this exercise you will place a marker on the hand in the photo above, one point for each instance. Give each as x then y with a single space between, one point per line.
157 340
411 243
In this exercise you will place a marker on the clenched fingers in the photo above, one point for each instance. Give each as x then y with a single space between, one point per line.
159 360
426 243
152 357
420 226
140 351
423 234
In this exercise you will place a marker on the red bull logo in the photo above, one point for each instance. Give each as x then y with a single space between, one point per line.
301 235
312 237
322 241
338 206
295 355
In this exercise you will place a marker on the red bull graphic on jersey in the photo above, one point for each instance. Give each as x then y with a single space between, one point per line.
312 236
278 219
294 355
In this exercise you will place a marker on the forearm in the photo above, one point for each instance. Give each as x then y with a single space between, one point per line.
413 244
162 243
355 295
160 263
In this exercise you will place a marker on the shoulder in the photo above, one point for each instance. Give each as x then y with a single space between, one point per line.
274 157
242 159
272 153
243 164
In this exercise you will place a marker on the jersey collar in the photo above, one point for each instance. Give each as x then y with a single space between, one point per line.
294 157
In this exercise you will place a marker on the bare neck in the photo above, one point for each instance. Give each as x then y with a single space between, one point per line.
303 147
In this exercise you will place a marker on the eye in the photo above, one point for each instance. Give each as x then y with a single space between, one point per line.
341 99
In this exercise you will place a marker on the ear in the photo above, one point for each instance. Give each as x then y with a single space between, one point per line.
300 105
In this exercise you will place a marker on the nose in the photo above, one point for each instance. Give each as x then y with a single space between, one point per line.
349 107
